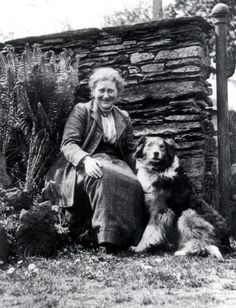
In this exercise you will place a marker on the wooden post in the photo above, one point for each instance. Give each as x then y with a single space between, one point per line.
220 13
157 11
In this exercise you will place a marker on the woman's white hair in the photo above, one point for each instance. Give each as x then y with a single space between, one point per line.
106 73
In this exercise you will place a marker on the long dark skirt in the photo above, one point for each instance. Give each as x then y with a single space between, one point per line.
117 203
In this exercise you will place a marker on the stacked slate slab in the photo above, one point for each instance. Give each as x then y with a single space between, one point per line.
166 66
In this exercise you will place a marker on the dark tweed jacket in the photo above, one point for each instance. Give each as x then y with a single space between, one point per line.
82 135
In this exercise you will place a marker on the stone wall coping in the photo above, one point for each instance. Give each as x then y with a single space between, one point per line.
122 30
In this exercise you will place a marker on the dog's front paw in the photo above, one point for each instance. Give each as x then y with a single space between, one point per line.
132 248
180 253
136 249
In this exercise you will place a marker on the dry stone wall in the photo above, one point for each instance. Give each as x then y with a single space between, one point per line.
166 65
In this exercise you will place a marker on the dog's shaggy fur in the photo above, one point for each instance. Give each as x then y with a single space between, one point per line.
178 217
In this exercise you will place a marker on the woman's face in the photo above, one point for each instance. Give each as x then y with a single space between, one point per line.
105 94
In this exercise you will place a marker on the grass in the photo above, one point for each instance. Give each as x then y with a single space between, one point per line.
86 278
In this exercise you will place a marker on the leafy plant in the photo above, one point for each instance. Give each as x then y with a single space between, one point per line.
7 109
204 8
40 94
8 67
142 12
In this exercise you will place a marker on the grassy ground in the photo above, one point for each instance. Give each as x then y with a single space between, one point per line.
83 278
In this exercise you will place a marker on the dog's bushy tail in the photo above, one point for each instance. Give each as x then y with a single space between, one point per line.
197 236
222 230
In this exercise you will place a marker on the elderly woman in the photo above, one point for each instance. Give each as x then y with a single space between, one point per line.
99 145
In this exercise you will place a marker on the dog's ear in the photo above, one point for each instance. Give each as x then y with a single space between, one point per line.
140 146
171 143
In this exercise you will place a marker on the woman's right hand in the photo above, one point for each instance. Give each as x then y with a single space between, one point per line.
92 167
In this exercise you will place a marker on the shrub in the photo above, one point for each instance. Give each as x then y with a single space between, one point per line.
36 95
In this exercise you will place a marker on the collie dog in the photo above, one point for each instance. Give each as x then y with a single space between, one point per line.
178 218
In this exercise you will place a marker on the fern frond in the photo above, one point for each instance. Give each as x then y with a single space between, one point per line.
7 107
24 103
13 64
37 55
53 58
42 117
3 70
36 160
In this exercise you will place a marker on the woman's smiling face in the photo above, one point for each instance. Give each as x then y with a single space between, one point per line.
105 94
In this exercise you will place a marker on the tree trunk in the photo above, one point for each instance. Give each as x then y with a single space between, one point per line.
157 11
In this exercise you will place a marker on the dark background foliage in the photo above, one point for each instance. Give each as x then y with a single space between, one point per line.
143 13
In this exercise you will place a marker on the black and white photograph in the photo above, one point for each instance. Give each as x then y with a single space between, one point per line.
118 154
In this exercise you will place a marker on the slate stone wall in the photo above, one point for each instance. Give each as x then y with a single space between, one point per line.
166 65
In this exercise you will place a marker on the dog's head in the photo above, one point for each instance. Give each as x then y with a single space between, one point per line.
156 152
